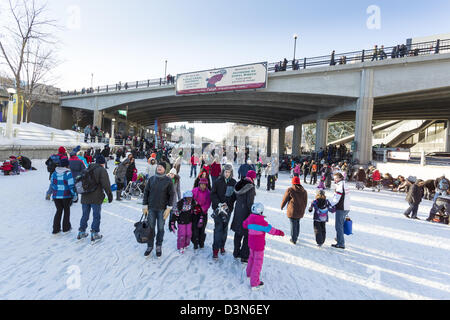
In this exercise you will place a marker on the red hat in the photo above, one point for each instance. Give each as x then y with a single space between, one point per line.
62 150
251 174
296 180
203 181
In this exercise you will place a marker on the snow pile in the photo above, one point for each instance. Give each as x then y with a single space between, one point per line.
388 257
33 134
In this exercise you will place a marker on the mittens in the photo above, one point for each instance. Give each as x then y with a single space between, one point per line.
280 233
172 226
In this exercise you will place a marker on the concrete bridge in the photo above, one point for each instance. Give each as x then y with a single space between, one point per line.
416 87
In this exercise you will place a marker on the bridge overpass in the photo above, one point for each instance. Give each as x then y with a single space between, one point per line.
413 87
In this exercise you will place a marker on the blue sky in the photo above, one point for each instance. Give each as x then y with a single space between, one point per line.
130 40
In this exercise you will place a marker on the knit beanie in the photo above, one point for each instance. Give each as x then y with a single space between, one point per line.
296 180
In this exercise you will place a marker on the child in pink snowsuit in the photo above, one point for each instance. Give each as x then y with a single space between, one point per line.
182 214
202 196
257 228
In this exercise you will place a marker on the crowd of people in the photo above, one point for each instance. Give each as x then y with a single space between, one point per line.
219 194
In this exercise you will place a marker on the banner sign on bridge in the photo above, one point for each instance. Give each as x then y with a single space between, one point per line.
245 77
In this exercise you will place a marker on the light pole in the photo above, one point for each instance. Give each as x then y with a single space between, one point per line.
9 120
295 45
165 72
92 81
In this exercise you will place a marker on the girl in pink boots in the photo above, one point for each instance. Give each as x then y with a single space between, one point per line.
183 213
257 228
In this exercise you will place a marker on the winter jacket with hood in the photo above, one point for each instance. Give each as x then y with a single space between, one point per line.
245 197
223 191
197 180
121 171
296 198
243 169
103 184
76 166
62 184
203 198
257 228
415 194
321 208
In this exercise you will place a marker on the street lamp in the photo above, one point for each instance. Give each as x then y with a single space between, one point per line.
9 120
295 45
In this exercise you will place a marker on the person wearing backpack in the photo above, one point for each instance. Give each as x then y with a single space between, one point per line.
63 190
321 206
441 199
296 199
95 182
52 163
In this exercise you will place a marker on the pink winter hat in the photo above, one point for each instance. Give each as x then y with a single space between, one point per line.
203 181
251 174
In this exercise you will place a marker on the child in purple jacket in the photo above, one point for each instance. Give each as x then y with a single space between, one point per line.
257 228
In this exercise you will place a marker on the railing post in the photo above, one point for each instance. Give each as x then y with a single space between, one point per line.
52 136
363 54
106 88
148 83
137 82
116 86
98 89
304 63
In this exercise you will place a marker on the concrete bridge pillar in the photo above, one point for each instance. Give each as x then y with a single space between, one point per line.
269 142
364 117
297 140
98 119
281 141
321 134
447 137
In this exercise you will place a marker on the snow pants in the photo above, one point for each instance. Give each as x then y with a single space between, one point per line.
320 232
254 266
198 234
184 235
241 249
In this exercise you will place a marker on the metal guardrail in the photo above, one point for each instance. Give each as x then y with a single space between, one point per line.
415 49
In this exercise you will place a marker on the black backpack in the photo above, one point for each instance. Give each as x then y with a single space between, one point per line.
143 231
85 182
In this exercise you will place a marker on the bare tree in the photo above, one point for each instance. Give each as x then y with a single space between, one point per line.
77 115
21 45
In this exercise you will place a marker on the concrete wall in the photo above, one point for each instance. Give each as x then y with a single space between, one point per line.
32 152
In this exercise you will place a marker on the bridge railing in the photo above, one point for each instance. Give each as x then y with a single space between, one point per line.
414 49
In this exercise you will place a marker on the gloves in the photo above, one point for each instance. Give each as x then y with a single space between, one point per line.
310 209
280 233
110 198
167 212
145 210
200 222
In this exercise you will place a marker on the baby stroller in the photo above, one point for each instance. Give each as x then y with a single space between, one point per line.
135 188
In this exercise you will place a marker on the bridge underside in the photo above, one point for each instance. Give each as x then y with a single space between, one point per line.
265 109
419 105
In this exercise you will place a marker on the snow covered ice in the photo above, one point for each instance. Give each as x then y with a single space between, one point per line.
388 257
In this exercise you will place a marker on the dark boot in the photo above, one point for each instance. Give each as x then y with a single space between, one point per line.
118 198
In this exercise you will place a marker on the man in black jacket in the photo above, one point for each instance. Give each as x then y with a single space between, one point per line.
222 198
157 204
